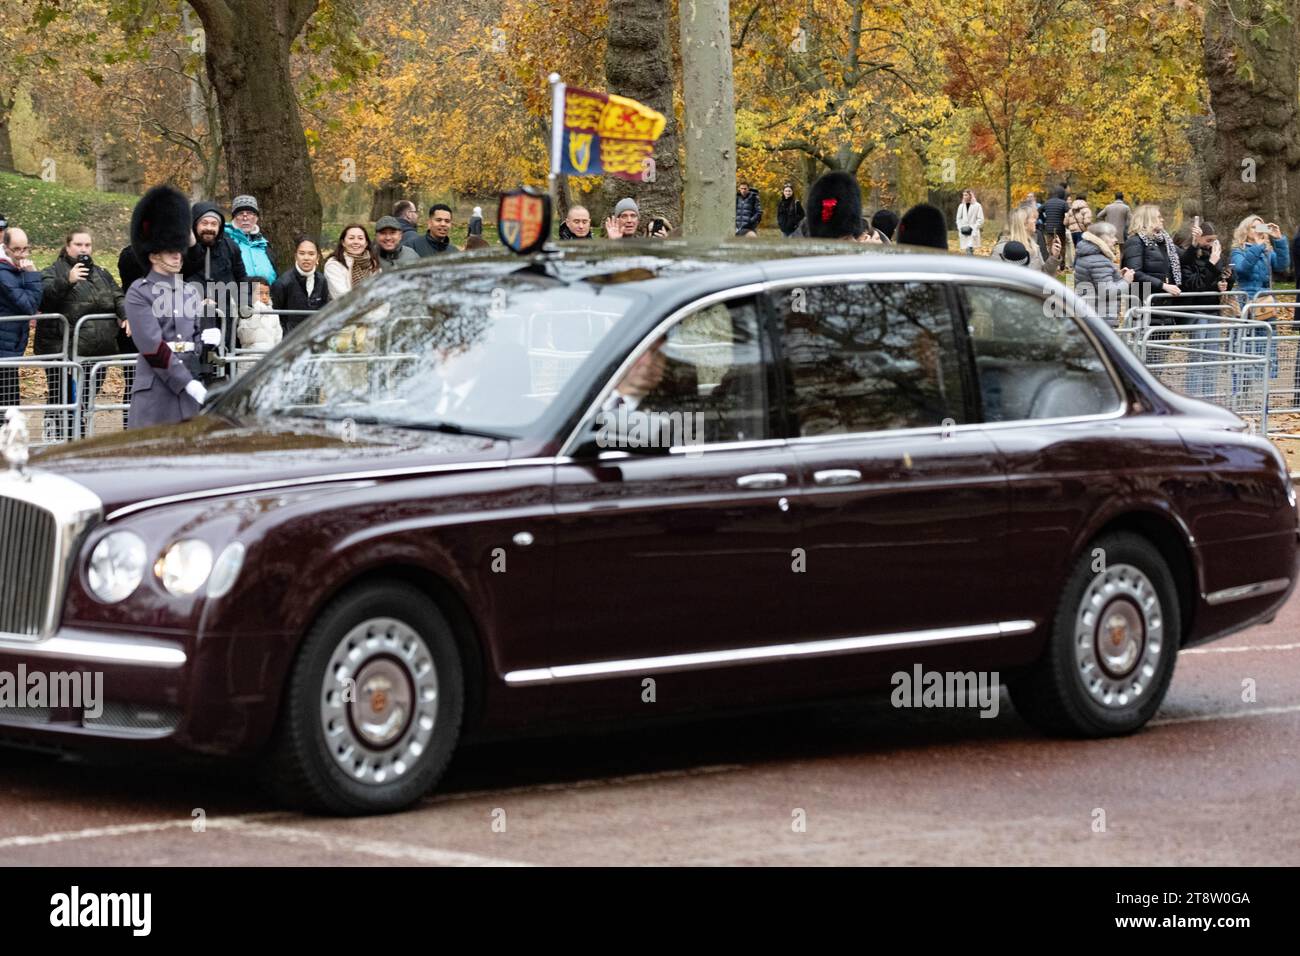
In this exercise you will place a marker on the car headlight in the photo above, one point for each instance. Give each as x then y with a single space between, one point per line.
226 570
116 567
185 566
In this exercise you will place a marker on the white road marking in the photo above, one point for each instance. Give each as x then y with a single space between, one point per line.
1242 650
337 843
251 824
1230 715
625 780
122 829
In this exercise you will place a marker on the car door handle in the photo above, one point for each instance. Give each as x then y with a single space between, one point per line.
763 479
837 476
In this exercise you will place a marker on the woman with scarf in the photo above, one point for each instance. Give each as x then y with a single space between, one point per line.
1151 254
354 259
1098 280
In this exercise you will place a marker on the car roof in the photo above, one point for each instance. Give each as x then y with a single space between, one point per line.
683 267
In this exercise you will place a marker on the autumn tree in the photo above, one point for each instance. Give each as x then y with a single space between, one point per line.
639 65
459 102
833 80
1252 66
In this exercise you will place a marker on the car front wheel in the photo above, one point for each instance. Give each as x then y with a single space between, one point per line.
1115 637
373 705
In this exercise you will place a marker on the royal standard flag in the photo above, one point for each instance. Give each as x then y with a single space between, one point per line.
607 134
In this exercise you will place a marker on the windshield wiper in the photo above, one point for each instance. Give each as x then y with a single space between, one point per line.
448 428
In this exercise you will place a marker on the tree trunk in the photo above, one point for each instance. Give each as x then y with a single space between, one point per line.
247 57
1200 134
6 141
639 65
1006 182
1252 68
710 120
388 194
117 170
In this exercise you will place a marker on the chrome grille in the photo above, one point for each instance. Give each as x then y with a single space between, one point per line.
28 559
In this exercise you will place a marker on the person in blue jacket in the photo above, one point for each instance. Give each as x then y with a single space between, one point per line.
20 294
246 234
1258 250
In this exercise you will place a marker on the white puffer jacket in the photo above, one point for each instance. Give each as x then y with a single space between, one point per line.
261 330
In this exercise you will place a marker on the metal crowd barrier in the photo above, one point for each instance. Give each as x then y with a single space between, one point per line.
240 359
48 422
1283 369
1216 361
99 376
37 383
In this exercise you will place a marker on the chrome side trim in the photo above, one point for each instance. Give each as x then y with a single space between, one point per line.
357 477
689 450
104 650
597 670
1244 591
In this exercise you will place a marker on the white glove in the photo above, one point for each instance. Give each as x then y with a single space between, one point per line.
211 337
196 391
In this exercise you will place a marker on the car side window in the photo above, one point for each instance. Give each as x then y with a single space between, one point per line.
708 375
1032 360
869 356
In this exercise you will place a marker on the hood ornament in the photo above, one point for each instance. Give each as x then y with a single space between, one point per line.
13 441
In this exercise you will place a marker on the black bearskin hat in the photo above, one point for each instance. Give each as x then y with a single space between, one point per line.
834 206
160 222
923 225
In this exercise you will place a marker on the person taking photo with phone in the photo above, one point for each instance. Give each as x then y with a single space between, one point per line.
1258 250
74 286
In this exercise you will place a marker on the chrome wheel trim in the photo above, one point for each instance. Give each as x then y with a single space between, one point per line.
379 701
1118 636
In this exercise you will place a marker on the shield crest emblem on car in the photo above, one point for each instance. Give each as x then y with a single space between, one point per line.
524 219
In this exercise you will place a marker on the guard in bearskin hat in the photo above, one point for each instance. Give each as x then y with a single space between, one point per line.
834 207
164 314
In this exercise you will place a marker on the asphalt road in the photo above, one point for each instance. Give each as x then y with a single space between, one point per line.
1213 780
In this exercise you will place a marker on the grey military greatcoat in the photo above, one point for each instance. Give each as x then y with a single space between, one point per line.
164 314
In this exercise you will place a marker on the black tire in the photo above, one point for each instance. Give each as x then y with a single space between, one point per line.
300 767
1054 694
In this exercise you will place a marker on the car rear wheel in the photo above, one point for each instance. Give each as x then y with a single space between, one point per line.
1115 637
373 706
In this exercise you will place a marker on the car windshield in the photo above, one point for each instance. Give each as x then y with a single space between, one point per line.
479 353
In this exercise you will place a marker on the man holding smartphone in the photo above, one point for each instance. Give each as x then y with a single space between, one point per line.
73 287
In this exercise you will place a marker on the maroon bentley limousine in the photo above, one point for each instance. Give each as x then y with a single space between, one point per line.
492 495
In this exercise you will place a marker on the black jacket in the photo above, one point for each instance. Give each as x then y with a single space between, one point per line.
427 246
289 291
748 211
128 268
1054 211
1150 265
220 262
95 293
409 233
1198 274
788 213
